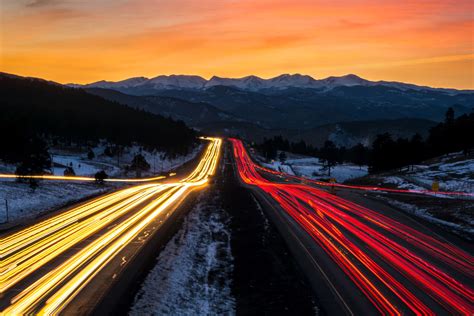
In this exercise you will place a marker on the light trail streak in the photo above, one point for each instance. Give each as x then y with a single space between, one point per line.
131 210
77 178
89 179
29 235
27 259
362 187
357 239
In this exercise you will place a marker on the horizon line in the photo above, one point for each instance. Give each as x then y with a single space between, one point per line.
208 78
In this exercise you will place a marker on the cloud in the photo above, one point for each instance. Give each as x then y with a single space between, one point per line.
237 37
41 3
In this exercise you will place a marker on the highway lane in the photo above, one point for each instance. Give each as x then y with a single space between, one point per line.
394 267
45 266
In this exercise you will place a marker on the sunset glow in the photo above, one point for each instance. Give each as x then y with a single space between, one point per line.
422 42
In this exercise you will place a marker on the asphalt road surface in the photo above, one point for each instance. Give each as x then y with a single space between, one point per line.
44 268
360 256
364 258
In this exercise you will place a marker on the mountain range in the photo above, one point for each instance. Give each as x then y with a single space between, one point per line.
142 85
346 109
296 106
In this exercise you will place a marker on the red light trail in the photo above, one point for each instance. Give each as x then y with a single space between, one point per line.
364 187
384 258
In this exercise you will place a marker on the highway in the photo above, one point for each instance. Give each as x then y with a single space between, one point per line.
369 261
44 267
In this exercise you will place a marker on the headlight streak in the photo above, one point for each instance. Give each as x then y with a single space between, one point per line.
26 260
88 179
54 290
334 223
77 178
29 235
67 291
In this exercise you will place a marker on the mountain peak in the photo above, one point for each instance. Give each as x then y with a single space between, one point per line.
293 80
346 80
252 78
177 81
352 76
134 80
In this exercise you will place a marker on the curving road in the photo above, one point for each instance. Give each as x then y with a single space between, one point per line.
44 267
371 262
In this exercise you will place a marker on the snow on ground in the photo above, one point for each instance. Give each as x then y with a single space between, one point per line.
401 183
87 167
82 166
453 173
312 168
420 212
23 203
278 166
340 172
7 168
160 163
452 176
466 228
193 273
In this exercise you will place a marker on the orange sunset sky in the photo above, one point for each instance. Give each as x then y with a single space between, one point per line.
423 42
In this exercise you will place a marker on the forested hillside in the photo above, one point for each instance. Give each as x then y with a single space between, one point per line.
33 107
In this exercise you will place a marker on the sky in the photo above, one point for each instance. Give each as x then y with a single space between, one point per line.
424 42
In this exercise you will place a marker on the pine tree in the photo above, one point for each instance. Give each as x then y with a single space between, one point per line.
35 161
90 154
139 164
329 155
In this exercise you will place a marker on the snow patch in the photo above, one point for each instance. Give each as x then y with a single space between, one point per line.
451 176
23 203
313 168
193 273
279 166
423 213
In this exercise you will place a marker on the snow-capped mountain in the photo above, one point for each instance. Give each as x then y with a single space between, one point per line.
158 83
177 81
285 81
296 80
142 85
127 83
252 83
347 81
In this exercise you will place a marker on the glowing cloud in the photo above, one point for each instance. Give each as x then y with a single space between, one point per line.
424 42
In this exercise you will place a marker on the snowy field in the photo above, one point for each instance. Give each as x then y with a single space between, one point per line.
83 166
312 168
278 166
23 203
459 222
453 173
192 274
400 183
111 165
